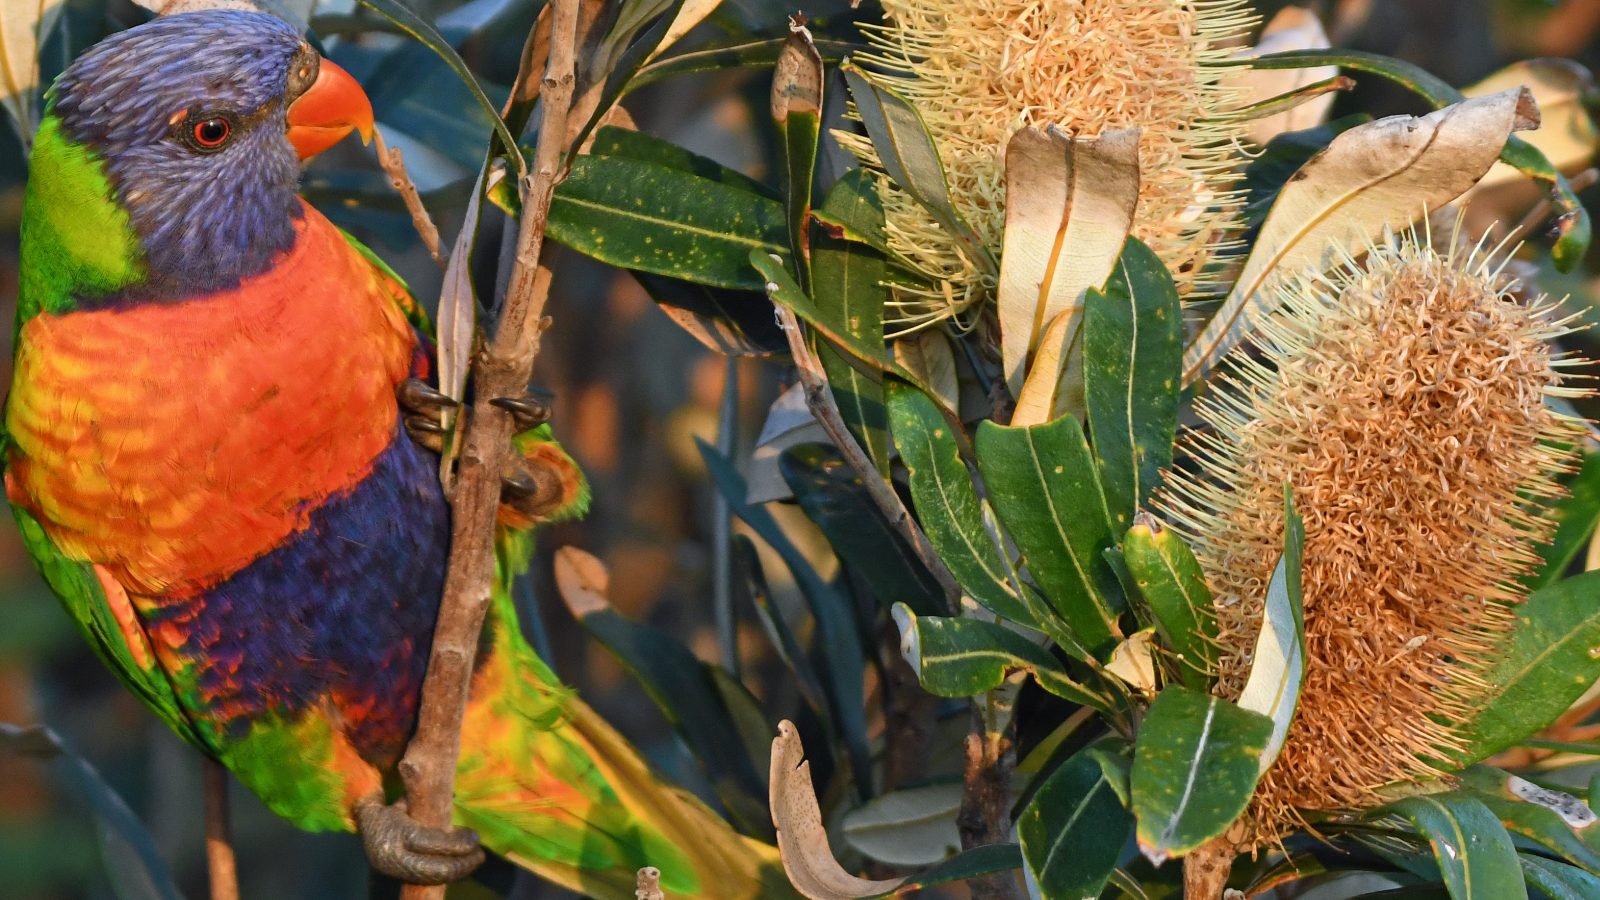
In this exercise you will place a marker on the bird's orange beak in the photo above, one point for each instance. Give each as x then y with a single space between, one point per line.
331 108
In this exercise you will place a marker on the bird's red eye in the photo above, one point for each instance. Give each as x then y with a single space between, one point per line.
209 134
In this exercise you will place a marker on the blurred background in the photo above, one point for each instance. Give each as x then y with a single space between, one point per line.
632 391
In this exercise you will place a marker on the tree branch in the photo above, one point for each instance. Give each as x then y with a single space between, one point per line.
504 369
820 399
220 863
393 164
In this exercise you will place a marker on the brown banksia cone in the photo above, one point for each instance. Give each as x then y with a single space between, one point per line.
1404 400
978 70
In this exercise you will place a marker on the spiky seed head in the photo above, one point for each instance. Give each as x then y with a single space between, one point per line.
978 70
1403 398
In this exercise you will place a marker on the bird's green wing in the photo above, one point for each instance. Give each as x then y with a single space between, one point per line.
84 598
415 314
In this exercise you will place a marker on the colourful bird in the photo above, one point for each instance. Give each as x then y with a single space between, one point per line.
208 459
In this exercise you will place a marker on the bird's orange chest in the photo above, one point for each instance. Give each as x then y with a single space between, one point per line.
173 443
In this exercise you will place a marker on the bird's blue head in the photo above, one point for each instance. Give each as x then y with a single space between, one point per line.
201 121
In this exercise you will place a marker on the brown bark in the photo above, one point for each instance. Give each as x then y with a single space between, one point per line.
1205 870
220 864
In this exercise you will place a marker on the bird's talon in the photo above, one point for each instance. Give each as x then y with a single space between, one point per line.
425 433
528 410
417 396
399 847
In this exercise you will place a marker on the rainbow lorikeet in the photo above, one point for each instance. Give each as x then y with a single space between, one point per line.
207 455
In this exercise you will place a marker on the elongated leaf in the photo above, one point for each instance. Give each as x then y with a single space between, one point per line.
847 285
131 858
1174 589
1576 515
910 157
908 827
1560 822
1043 484
1548 665
1133 354
797 114
964 657
1195 765
1567 134
1278 665
1572 224
680 685
746 54
1293 28
783 640
781 287
24 27
1473 851
1283 156
947 503
834 499
424 33
630 144
1069 205
1074 828
648 217
726 321
1557 880
1382 174
841 653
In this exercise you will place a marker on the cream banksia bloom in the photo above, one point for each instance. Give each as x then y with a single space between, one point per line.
1403 399
979 70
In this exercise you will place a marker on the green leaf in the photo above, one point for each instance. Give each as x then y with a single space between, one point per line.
652 218
963 657
748 54
911 158
1573 225
947 503
847 286
783 640
1557 880
1133 359
131 859
913 826
1549 663
1576 515
1074 829
1278 666
1474 853
685 690
424 33
1558 821
797 114
1043 484
1174 590
610 140
968 864
1195 765
853 212
781 287
838 643
836 502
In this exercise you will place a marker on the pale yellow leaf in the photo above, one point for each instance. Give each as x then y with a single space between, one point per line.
1069 205
802 839
928 355
582 581
1293 28
1384 174
909 827
23 26
1566 134
692 13
1134 661
1040 395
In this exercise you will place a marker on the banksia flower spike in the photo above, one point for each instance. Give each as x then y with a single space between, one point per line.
1403 399
978 70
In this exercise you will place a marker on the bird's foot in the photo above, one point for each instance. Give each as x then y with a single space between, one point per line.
528 411
420 406
399 847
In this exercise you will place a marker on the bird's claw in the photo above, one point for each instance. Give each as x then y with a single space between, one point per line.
399 847
528 411
420 406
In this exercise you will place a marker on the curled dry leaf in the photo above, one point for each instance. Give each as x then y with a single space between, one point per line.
1069 206
802 839
927 354
583 581
1383 174
295 12
24 24
1293 28
797 77
1566 135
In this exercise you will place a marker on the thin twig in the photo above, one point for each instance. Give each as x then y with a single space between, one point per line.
504 370
985 814
1541 210
219 846
393 164
820 399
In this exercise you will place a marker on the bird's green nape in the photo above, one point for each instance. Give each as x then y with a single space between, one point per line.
77 240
